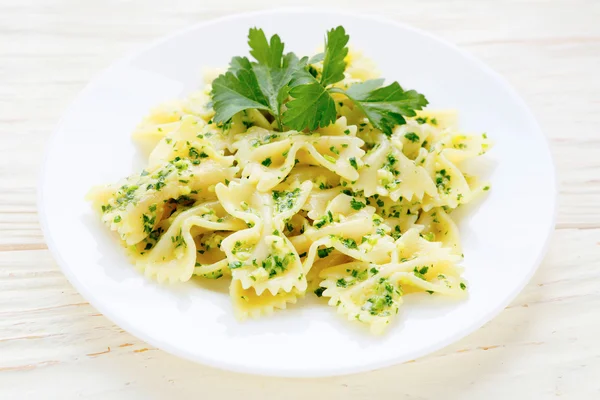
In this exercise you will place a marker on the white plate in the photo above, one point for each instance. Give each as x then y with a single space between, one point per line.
504 238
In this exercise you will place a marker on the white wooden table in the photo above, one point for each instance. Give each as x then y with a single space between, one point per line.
53 344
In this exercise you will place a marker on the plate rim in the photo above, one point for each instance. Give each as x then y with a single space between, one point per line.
293 372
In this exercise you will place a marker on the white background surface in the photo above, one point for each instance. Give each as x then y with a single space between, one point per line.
54 345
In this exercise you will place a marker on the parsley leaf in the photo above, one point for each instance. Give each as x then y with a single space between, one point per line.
335 52
265 53
275 78
312 105
261 84
385 107
237 90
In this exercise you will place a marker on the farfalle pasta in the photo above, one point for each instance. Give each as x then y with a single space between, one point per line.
350 212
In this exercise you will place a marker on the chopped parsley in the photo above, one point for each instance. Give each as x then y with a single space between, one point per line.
322 253
328 218
413 137
285 200
266 162
442 179
353 163
178 240
382 301
420 273
341 283
148 222
349 243
275 264
356 205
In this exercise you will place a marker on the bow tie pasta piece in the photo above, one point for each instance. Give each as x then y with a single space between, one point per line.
361 294
242 200
248 304
264 261
210 211
370 292
413 243
451 185
173 256
439 227
262 257
339 128
375 248
339 154
327 258
413 136
135 206
193 140
398 216
161 121
425 265
211 261
388 172
343 215
168 117
268 157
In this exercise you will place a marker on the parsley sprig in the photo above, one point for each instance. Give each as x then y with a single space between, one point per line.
293 92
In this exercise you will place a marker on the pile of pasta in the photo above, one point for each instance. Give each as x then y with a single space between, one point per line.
344 212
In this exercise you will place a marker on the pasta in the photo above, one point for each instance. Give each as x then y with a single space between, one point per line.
345 211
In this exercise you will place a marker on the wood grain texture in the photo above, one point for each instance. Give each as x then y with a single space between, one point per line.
53 344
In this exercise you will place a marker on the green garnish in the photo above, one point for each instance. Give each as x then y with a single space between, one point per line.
285 200
235 264
275 264
413 137
349 243
324 252
274 78
353 163
356 205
